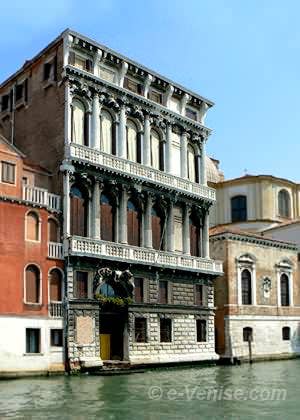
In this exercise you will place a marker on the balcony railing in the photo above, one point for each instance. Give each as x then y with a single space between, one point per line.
42 197
136 170
55 250
127 253
55 309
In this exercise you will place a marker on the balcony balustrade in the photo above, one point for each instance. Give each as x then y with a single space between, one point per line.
55 309
42 197
138 171
126 253
55 250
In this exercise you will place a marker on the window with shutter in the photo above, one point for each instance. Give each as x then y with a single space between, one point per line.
33 340
201 330
32 226
198 294
163 292
32 284
157 228
284 290
79 211
81 285
133 224
55 286
8 172
56 338
165 330
140 330
138 290
107 218
246 287
53 231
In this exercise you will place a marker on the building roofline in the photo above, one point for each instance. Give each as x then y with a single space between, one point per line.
13 147
281 226
252 177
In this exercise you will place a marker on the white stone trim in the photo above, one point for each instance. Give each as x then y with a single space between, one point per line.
262 317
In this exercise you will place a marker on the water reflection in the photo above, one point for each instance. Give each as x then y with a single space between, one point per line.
128 396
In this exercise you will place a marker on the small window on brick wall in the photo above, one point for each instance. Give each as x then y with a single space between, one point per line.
138 290
163 292
81 285
5 103
21 91
198 294
8 172
50 70
56 338
201 330
33 340
165 330
286 333
140 330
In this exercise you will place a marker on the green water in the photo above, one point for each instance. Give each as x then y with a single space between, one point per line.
239 392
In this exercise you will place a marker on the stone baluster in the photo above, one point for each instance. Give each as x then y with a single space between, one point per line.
183 155
123 215
170 228
122 152
186 230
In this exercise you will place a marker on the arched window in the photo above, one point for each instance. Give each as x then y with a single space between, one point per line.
32 226
55 285
247 334
284 290
158 221
133 224
284 204
157 151
133 147
239 208
53 231
79 123
79 211
191 160
106 135
286 333
195 236
107 218
32 284
246 288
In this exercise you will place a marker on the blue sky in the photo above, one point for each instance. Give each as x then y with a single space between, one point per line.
243 55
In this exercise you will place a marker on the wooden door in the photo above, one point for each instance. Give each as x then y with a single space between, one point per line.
105 345
156 230
107 222
78 216
55 286
133 226
194 239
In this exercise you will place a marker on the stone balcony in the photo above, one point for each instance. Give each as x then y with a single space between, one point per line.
126 253
41 197
55 250
55 309
137 171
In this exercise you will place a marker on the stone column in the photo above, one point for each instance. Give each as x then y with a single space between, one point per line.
95 125
205 236
147 84
122 152
123 216
170 228
67 170
96 221
148 222
186 230
147 147
97 59
203 179
122 73
168 148
183 155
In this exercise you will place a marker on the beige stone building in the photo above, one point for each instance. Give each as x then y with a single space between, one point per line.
258 297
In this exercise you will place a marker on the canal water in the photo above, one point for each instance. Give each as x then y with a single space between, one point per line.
263 390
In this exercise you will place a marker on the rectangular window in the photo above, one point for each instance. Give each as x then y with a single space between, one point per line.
191 114
165 330
81 285
155 96
106 74
19 92
132 85
140 330
8 172
33 341
139 290
201 330
163 292
5 103
199 294
56 338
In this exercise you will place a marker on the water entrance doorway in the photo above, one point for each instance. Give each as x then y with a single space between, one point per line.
112 327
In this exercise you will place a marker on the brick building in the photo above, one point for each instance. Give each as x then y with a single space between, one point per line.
126 147
31 287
